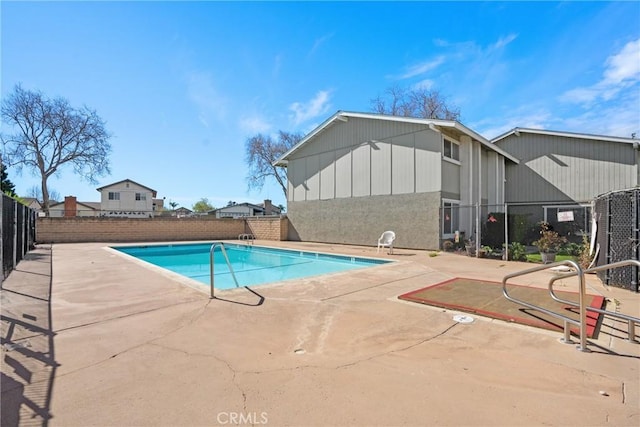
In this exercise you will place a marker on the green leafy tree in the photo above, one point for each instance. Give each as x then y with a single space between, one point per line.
49 134
261 152
6 185
173 205
202 206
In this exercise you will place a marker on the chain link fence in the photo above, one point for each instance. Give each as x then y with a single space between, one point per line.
618 236
18 233
509 231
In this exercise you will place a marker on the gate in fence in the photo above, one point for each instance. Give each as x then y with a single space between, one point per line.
618 236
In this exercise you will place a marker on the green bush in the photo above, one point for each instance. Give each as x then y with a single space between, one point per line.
519 227
517 252
573 249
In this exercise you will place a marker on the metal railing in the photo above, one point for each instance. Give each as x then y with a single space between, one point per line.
581 323
247 237
226 257
631 321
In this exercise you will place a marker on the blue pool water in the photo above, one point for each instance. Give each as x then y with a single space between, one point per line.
252 265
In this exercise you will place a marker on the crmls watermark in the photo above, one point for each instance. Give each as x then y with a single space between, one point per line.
241 418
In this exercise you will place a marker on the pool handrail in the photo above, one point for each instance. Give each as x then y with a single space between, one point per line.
226 257
631 320
247 237
582 322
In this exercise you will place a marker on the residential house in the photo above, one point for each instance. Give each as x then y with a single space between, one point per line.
128 198
35 204
72 208
560 173
357 175
183 212
239 210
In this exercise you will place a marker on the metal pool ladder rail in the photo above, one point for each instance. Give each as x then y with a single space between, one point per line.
631 321
582 323
247 237
226 257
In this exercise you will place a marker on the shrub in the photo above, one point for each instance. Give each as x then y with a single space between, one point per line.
517 252
448 246
584 257
519 227
573 249
549 240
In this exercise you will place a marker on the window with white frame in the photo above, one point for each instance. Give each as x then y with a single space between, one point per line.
450 217
451 150
114 195
141 196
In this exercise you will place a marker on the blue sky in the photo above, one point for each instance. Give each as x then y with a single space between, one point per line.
183 85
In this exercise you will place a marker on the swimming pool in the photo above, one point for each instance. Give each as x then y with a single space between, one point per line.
252 265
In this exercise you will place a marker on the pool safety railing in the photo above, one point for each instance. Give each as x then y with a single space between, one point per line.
249 238
631 321
581 323
226 258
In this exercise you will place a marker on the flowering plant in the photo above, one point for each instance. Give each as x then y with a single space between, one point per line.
549 241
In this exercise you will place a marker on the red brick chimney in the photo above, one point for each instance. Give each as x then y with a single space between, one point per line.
70 206
268 207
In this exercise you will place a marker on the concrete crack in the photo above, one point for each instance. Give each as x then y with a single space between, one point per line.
200 311
399 349
124 316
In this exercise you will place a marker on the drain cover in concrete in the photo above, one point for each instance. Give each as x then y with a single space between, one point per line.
461 318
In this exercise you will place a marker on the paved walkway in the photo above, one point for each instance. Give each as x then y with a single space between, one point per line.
91 338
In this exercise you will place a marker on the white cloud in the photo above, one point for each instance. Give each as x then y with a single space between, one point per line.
418 69
202 92
611 104
625 66
622 71
524 118
485 67
580 95
619 118
503 41
255 124
424 84
319 42
277 65
311 109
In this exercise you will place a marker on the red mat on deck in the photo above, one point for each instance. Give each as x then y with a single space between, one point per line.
485 298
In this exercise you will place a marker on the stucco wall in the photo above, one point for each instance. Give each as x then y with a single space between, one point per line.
75 230
415 218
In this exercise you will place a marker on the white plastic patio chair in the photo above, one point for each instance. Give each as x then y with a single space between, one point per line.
386 241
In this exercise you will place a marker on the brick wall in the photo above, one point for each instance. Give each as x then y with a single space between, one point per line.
88 229
267 228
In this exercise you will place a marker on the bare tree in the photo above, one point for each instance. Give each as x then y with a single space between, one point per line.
423 103
36 192
50 134
262 151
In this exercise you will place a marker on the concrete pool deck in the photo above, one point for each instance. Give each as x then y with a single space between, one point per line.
91 338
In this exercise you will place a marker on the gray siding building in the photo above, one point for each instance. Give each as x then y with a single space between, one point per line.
558 170
357 175
567 167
